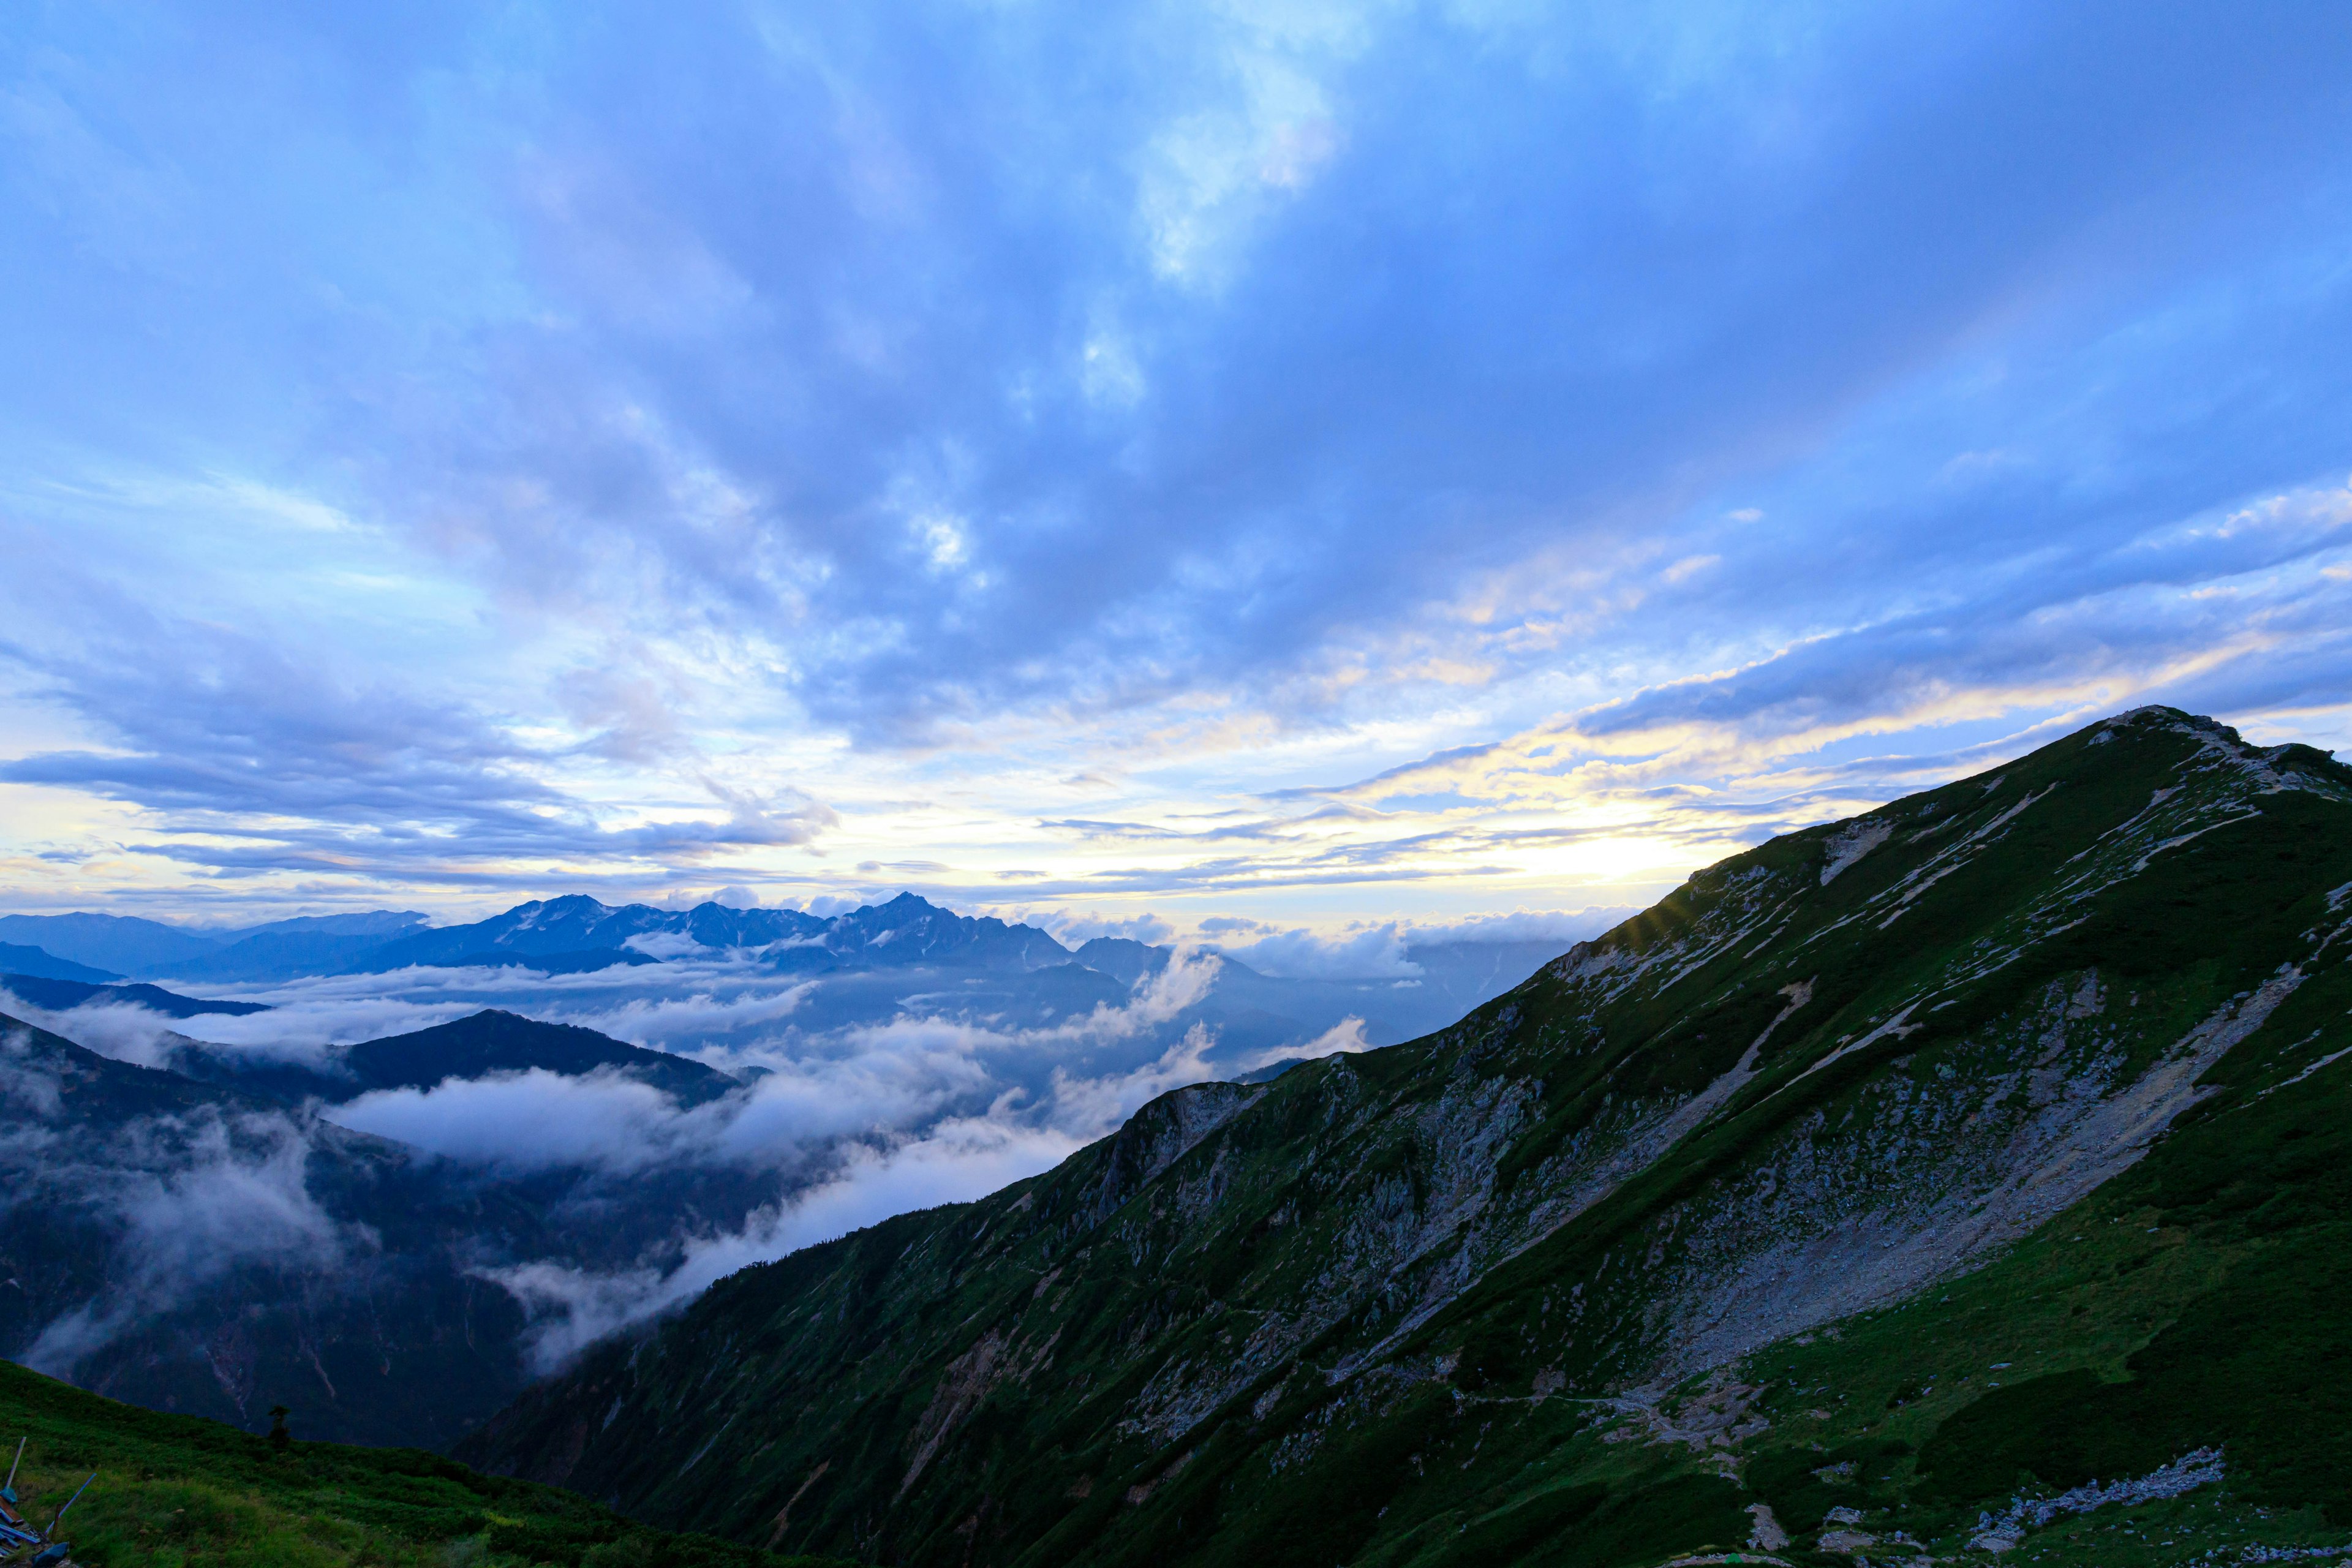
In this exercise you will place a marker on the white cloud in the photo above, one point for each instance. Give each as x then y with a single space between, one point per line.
1344 1037
1301 954
1566 927
954 1162
1072 927
874 1124
191 1198
532 1121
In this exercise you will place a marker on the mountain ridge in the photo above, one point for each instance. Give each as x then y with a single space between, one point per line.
1823 1076
39 964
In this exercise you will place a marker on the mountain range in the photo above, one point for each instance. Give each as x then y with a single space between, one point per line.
1968 1177
859 959
1971 1178
577 932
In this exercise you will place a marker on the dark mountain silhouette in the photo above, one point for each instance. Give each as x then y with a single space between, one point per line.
494 1042
58 996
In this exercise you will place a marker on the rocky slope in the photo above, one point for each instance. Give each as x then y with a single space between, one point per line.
1703 1239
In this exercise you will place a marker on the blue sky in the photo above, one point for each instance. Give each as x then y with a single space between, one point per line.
1296 463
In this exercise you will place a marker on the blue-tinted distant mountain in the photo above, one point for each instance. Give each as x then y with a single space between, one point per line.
908 931
35 962
580 924
58 995
312 944
583 963
275 956
379 924
905 933
123 944
566 935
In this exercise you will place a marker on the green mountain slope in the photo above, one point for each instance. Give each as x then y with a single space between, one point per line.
176 1491
1876 1183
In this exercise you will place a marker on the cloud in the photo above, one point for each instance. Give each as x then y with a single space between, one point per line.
954 1163
530 1121
1072 927
1344 1037
868 1126
187 1199
1378 953
738 447
1564 927
327 769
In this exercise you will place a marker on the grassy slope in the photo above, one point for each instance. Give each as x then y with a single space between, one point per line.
174 1490
1393 1310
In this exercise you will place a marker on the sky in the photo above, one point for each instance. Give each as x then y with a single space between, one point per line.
1155 467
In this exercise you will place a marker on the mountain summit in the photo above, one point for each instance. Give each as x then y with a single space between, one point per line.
1876 1174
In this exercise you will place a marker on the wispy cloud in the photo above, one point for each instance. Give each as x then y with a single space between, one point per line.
1288 455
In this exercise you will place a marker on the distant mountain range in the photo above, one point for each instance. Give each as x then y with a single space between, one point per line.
149 950
1027 972
557 935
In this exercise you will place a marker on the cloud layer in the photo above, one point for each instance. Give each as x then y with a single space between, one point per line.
849 1112
1296 462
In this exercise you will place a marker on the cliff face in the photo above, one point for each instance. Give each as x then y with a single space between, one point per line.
1502 1294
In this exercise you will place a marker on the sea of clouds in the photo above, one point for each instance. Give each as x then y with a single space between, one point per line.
855 1111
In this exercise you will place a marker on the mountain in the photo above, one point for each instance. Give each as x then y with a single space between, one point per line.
275 955
123 944
312 944
59 994
177 1489
566 935
1123 958
908 930
32 963
1904 1185
495 1041
991 970
486 1043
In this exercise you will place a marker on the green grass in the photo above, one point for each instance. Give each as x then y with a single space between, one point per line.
179 1491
